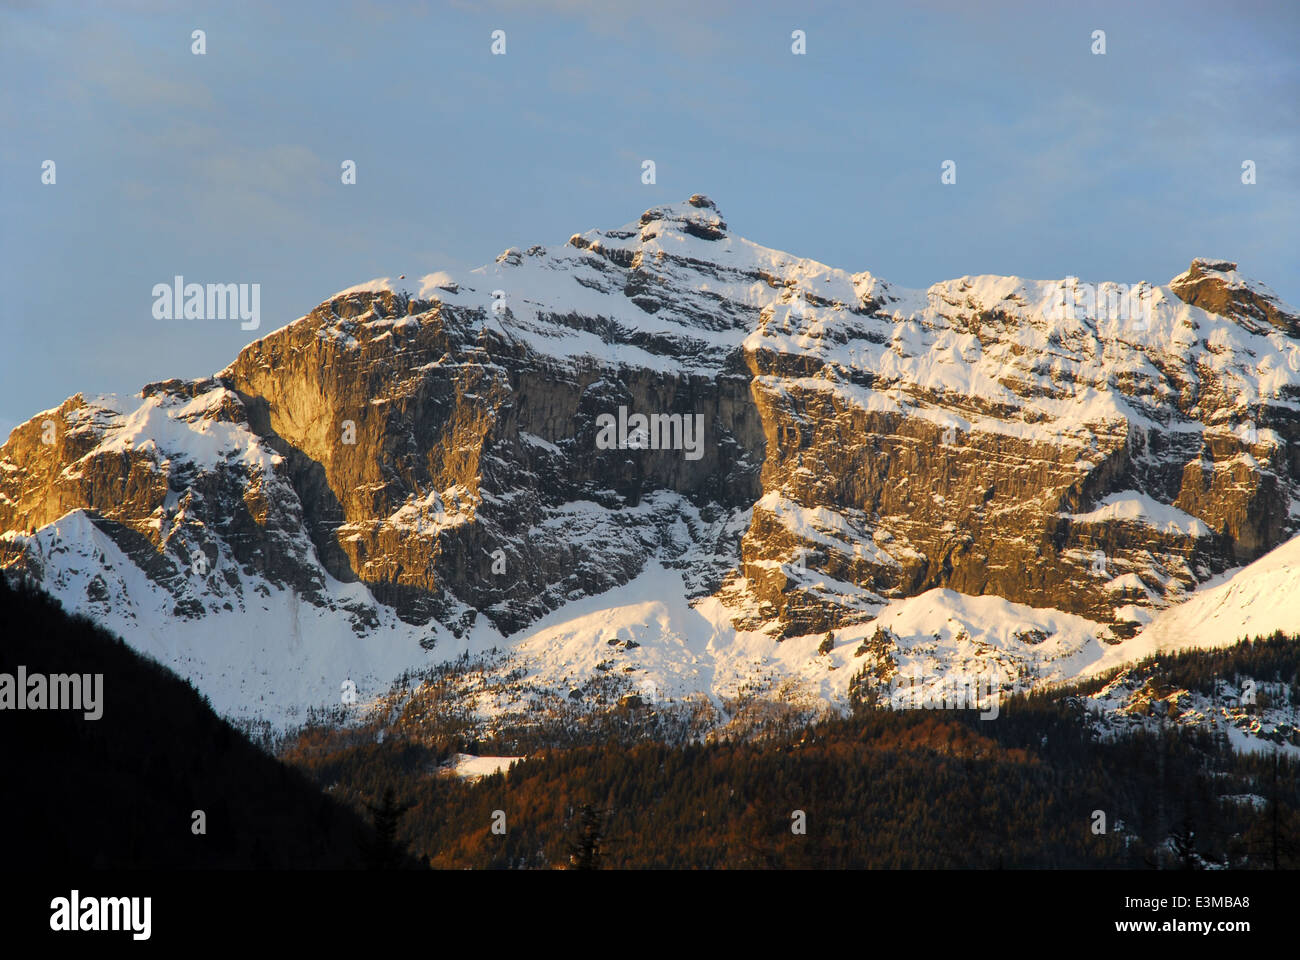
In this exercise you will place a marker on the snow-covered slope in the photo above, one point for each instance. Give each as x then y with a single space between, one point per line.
1254 601
262 653
1254 715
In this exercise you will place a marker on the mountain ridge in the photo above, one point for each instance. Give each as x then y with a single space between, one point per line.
424 466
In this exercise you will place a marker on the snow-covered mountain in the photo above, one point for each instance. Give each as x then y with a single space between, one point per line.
667 454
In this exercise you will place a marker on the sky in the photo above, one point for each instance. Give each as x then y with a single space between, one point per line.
226 167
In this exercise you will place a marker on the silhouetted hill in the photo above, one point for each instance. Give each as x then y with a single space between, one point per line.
120 791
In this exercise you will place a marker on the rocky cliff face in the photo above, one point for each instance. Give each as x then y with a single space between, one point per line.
471 451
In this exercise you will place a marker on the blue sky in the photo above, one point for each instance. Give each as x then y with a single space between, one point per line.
226 167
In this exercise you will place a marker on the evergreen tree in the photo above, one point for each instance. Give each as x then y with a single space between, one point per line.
584 852
385 853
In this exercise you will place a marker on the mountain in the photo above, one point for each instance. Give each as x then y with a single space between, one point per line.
668 456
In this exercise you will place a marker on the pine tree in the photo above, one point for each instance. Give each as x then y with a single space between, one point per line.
385 853
584 852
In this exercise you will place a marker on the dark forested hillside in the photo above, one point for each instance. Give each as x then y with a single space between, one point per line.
121 790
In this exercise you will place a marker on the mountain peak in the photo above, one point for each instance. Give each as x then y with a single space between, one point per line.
1215 286
698 216
1204 264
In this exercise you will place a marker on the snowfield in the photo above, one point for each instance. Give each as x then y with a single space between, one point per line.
276 657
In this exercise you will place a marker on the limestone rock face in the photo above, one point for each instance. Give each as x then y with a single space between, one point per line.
1216 287
472 449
